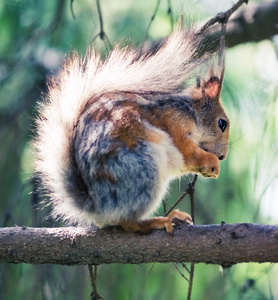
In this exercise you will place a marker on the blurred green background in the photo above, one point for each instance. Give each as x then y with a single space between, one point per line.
34 38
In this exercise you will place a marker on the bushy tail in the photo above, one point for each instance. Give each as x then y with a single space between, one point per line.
166 71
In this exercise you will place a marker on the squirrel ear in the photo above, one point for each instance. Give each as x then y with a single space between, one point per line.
212 87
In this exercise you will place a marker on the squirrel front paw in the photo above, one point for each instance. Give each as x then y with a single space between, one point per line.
210 166
177 217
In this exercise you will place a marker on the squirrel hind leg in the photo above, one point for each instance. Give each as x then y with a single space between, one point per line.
145 226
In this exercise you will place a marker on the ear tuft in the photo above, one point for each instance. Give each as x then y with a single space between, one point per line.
212 87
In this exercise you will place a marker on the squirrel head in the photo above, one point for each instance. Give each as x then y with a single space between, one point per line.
212 124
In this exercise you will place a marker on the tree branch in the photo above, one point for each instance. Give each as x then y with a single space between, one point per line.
254 23
222 17
217 244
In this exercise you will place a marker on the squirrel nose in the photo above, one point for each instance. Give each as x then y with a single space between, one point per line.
221 157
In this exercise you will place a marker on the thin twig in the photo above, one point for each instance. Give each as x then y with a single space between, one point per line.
54 23
176 203
102 35
108 44
148 28
92 271
189 190
71 9
190 286
222 17
221 52
151 268
58 15
93 275
191 273
186 192
170 13
185 267
191 193
182 275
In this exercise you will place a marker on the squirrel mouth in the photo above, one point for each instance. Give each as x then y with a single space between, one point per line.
203 147
221 157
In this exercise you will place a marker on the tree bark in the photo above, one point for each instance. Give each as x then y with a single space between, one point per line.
216 244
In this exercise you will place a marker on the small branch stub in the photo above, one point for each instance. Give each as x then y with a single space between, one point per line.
217 244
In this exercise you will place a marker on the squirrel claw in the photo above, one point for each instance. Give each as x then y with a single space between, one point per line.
213 172
177 217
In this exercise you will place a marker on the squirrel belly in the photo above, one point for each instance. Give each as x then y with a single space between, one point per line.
112 134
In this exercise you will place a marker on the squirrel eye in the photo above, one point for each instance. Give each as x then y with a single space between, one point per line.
222 124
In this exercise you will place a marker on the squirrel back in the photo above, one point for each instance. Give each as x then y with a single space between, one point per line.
113 133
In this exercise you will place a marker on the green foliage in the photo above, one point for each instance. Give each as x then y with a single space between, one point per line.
33 42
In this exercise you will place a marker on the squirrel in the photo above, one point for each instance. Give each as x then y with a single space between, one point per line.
113 133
